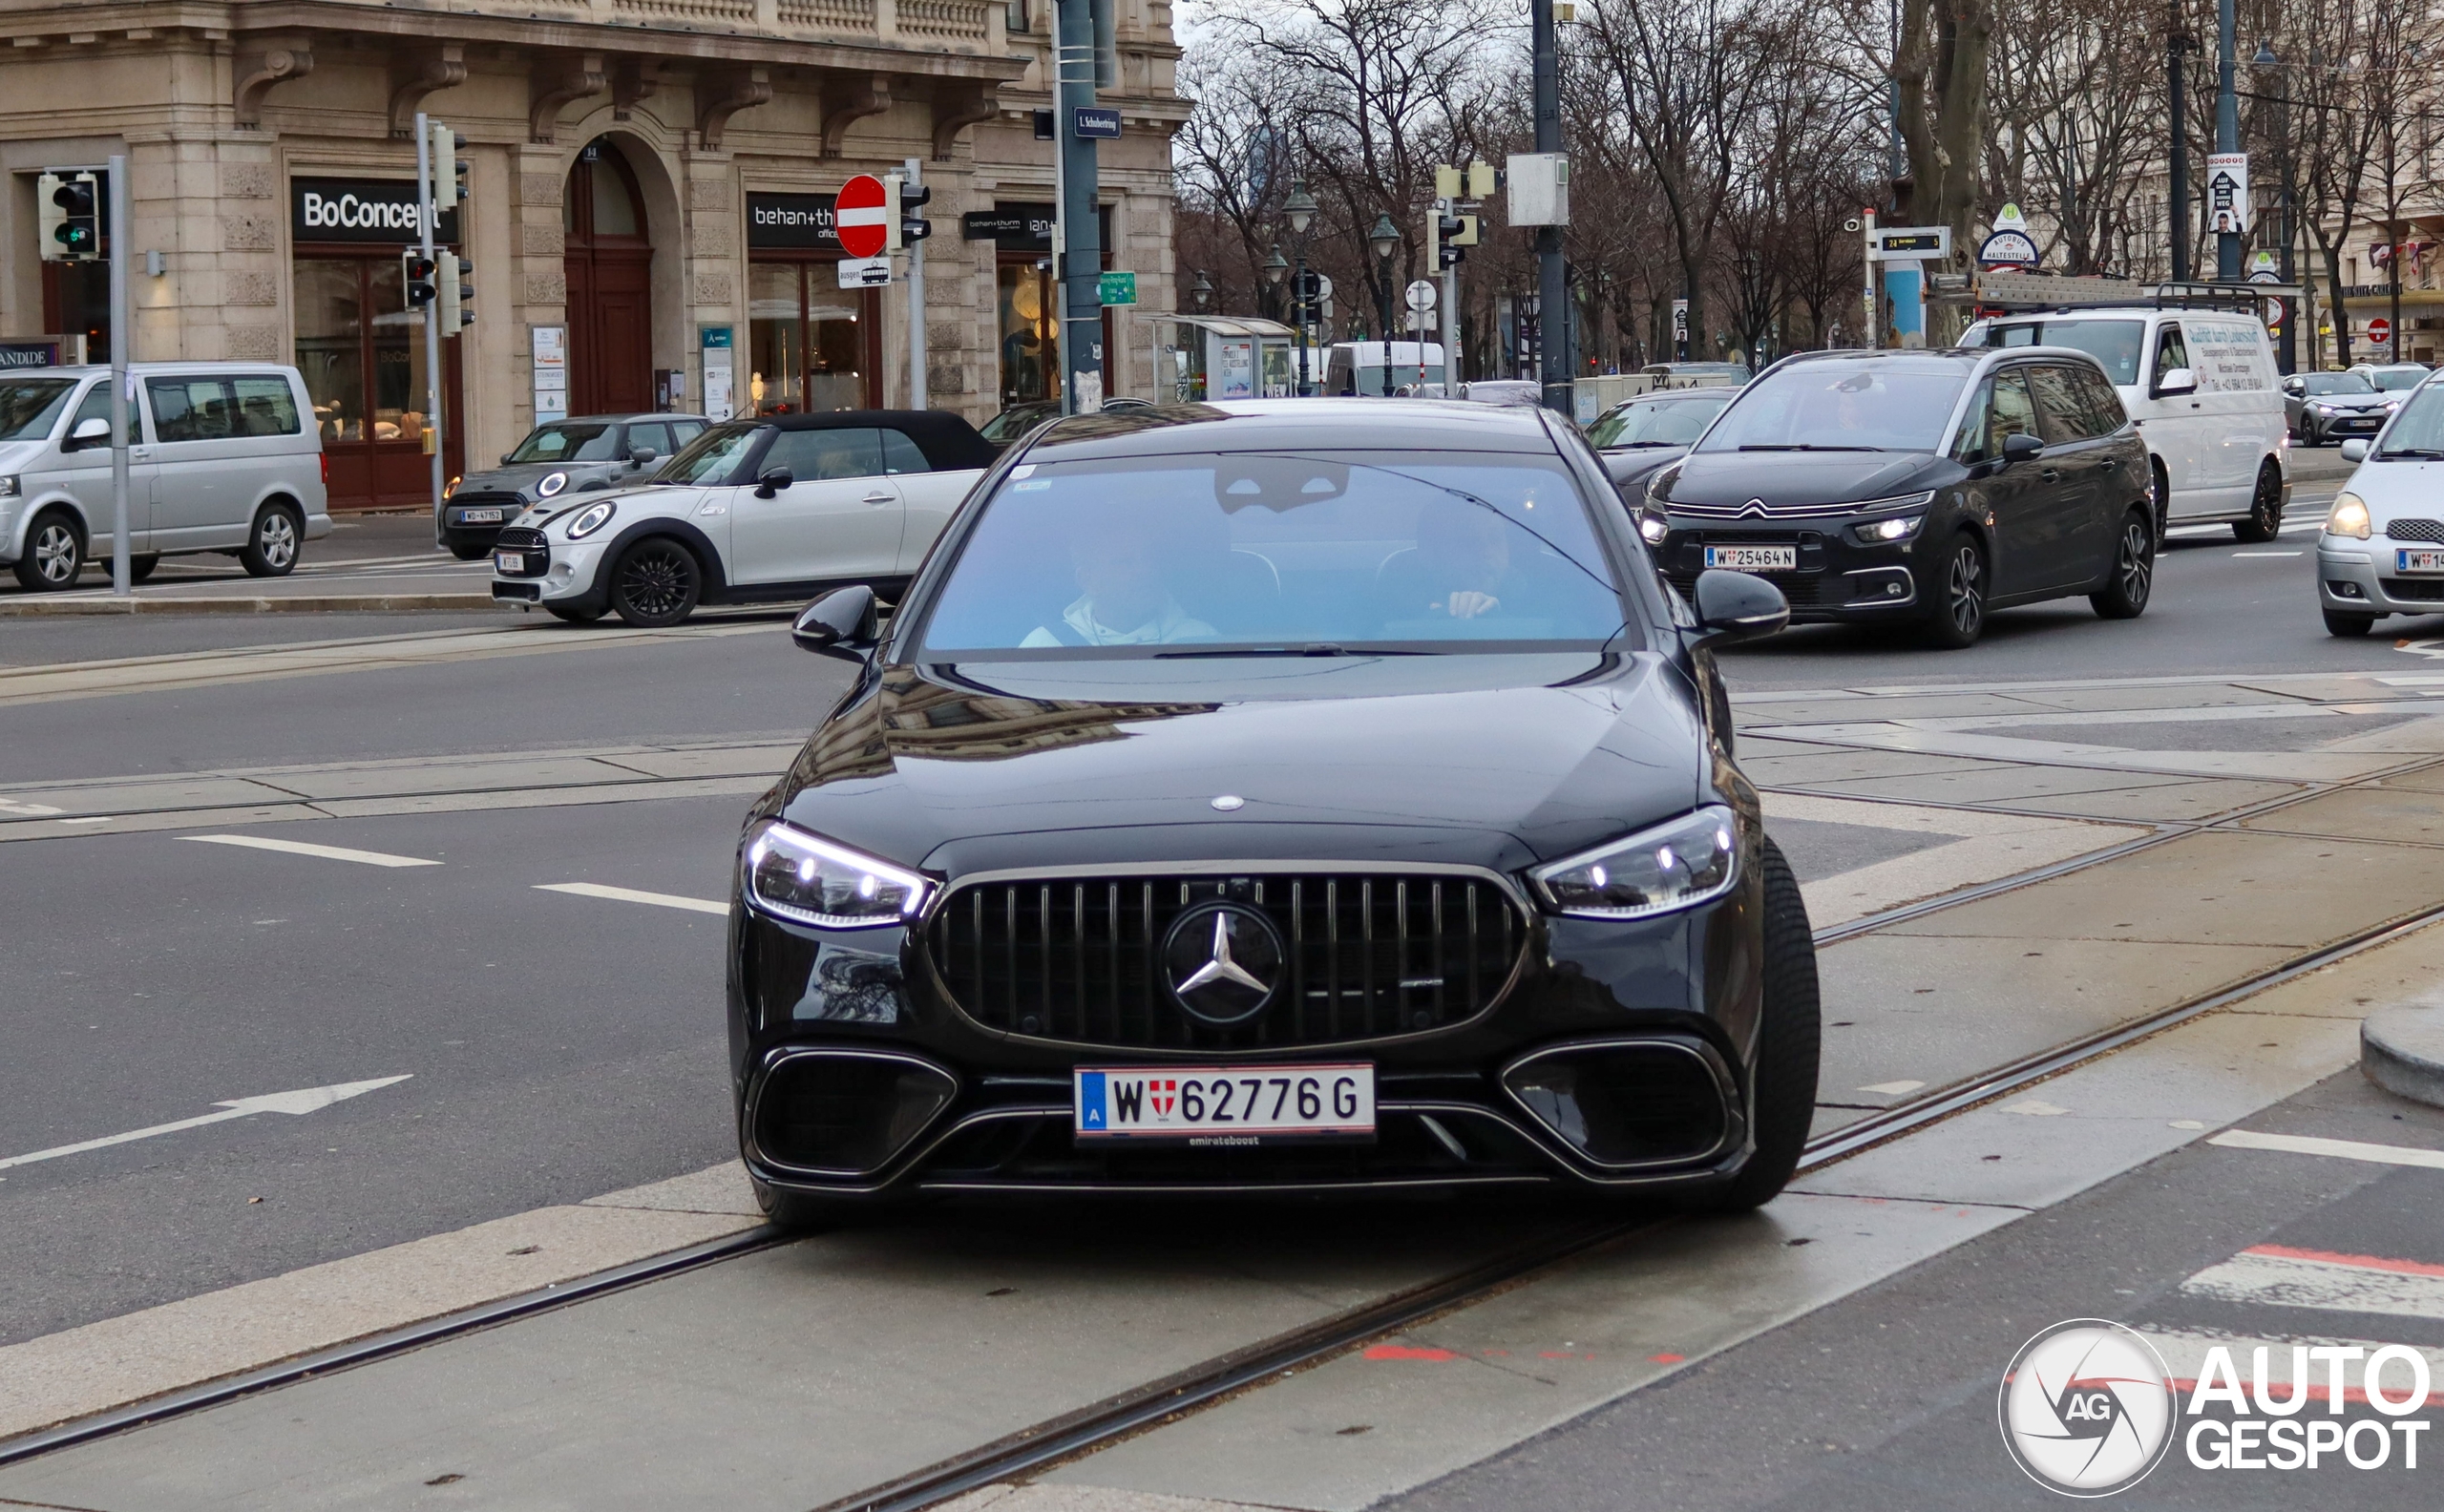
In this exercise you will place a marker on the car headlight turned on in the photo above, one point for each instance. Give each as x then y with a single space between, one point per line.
593 517
2349 517
794 875
1672 866
1653 528
1886 531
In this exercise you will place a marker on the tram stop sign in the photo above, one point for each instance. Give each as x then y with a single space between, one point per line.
858 217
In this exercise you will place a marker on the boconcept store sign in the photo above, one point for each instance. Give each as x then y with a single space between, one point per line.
373 210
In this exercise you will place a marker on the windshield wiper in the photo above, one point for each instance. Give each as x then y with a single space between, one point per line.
2423 453
1312 648
1624 446
1807 446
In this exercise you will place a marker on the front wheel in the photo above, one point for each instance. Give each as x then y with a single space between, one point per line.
655 583
2265 521
2134 571
55 554
1789 1037
1960 613
2349 625
271 545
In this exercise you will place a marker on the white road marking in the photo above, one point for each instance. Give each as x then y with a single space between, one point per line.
304 1101
2034 1107
1893 1088
2340 1149
301 847
91 819
620 894
27 811
2277 1275
2238 555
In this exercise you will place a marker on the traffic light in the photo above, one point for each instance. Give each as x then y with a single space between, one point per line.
70 216
1449 251
455 293
902 211
1308 288
419 270
448 169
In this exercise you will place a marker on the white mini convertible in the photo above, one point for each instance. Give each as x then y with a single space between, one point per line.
753 511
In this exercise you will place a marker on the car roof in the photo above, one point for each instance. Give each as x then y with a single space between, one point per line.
947 440
642 417
1248 425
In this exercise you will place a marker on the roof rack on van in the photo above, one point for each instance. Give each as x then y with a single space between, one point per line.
2014 293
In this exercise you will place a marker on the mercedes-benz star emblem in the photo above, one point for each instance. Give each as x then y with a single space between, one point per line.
1222 961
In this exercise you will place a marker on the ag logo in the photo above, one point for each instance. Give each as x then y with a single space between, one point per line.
2087 1408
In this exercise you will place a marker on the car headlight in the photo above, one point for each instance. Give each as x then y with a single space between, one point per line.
9 486
593 517
1653 528
1672 866
1885 531
551 485
2349 517
794 875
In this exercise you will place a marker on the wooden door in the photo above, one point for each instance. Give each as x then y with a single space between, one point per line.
610 266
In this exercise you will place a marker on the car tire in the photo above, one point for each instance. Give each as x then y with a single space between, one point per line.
1789 1035
55 553
2160 489
2349 625
140 568
2265 521
2126 592
1961 591
470 551
573 614
273 541
655 583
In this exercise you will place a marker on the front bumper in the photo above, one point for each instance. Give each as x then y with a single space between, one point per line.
566 575
2356 577
1836 579
2337 425
821 1020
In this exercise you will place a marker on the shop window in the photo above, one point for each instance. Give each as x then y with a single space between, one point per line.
810 343
1030 335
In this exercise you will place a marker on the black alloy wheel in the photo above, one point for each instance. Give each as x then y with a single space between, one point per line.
2349 625
271 545
2134 571
2265 521
55 554
1960 611
655 583
1788 1042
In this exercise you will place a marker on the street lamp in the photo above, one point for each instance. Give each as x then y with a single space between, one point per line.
1300 211
1201 291
1385 240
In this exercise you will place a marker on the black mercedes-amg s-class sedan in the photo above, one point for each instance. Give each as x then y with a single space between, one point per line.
1300 797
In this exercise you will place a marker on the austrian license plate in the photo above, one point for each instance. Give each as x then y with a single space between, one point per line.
1753 559
513 563
479 517
2418 561
1219 1107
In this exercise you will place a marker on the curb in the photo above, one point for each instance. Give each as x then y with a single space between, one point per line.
2402 1050
302 603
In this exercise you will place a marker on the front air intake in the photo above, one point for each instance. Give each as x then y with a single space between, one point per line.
846 1112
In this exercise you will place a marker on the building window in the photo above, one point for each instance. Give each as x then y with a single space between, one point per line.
362 355
810 344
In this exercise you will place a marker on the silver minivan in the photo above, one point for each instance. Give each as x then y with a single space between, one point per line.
221 458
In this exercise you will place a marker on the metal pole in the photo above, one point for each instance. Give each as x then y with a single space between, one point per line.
2179 206
1079 259
1552 298
122 248
2227 133
1299 310
1386 301
917 396
1874 328
427 195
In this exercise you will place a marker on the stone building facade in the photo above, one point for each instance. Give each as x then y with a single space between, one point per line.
649 190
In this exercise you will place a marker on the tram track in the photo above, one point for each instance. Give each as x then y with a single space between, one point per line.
1120 1416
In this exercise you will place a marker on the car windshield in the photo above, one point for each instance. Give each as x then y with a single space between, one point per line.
1271 554
2418 429
2114 342
30 407
711 457
2389 379
1657 422
573 441
2336 383
1011 424
1866 405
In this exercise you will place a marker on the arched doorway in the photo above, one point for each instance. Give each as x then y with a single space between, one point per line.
609 260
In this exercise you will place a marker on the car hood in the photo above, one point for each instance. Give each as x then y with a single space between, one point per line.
521 479
1457 759
2368 401
1630 467
15 454
2395 490
636 500
1798 477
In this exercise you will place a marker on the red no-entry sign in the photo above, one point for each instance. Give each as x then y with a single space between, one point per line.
858 216
2379 330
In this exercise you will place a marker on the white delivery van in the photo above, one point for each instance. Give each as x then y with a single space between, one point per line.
2201 385
1356 367
221 458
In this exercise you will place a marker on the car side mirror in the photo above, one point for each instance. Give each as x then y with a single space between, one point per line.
1733 607
772 480
2355 450
93 431
2020 446
639 456
843 622
2179 381
504 459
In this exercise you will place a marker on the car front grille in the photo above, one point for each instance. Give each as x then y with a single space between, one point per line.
2417 530
2421 590
1367 955
528 544
1756 509
510 504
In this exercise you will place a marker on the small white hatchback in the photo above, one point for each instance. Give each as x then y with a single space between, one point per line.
2382 550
